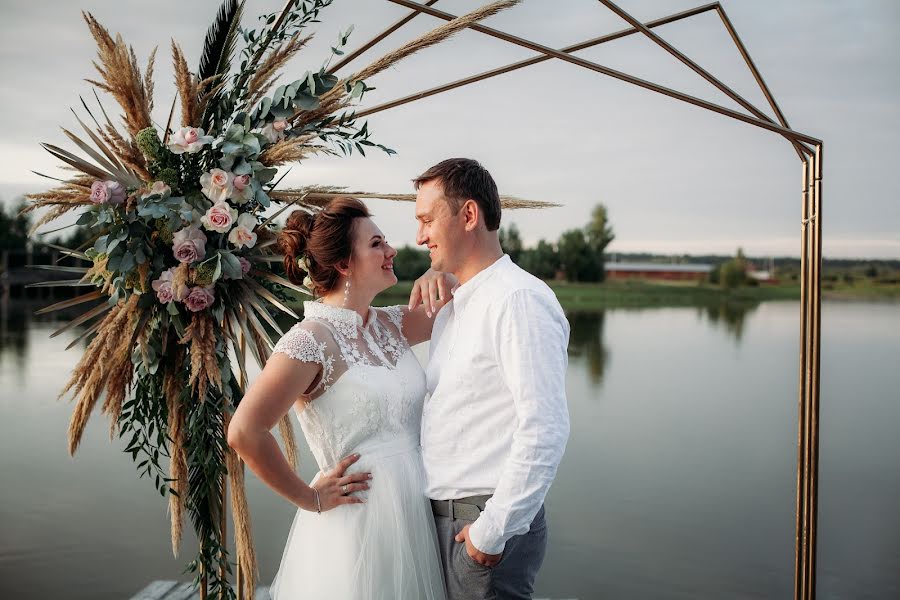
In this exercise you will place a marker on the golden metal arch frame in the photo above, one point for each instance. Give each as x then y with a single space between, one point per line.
809 149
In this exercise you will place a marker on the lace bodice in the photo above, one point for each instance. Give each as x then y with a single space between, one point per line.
371 387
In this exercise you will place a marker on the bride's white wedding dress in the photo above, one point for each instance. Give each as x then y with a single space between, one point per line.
369 400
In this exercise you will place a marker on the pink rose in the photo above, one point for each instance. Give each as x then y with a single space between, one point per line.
243 236
217 184
163 287
243 191
220 217
107 192
189 245
188 139
241 181
199 298
163 291
245 265
274 131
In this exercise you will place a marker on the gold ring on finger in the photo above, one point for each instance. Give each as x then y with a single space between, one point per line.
344 489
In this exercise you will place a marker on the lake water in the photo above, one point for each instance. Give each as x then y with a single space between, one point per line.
678 480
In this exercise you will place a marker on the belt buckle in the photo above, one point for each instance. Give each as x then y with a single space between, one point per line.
452 516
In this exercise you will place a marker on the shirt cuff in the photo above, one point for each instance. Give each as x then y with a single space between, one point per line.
484 539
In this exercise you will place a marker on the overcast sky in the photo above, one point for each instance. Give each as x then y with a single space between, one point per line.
675 178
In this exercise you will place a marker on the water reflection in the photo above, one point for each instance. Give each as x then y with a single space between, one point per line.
678 480
13 325
729 316
586 339
17 318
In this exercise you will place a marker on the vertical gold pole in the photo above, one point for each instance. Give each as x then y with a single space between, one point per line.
800 526
815 362
203 582
810 362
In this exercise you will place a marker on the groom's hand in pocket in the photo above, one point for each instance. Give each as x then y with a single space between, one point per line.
488 560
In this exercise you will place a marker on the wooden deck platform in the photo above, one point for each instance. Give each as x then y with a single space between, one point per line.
177 590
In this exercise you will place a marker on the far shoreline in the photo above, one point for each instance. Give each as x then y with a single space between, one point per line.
640 293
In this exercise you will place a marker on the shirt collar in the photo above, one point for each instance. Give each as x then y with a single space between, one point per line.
463 291
345 320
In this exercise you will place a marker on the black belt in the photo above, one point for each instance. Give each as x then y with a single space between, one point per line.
468 508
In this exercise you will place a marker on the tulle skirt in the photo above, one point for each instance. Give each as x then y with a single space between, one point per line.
383 549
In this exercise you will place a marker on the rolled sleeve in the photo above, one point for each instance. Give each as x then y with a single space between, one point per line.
531 341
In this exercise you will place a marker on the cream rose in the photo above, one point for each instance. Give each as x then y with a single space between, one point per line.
242 236
217 184
159 188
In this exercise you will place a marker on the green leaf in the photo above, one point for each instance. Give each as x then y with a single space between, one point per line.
305 101
127 262
251 144
231 266
278 95
266 175
242 167
280 111
231 147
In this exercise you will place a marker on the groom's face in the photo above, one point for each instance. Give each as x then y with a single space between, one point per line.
438 226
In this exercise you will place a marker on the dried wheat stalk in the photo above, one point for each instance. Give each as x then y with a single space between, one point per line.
122 77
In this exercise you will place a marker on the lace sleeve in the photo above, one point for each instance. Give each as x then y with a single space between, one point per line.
301 344
395 315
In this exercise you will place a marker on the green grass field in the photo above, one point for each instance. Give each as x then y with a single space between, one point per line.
648 294
637 294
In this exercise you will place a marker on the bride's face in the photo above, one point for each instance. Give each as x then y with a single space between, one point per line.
372 258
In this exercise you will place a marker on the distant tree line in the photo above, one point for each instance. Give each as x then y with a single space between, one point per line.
577 255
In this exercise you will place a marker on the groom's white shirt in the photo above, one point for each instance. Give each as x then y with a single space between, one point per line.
496 420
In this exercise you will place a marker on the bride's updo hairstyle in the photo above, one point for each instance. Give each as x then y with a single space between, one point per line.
324 238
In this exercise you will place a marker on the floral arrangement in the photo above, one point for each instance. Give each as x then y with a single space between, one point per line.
181 255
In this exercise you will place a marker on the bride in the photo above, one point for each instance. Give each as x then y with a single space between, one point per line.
364 528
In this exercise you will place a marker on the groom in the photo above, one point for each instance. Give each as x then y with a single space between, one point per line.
495 425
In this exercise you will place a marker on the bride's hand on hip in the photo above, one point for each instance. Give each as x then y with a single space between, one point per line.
335 488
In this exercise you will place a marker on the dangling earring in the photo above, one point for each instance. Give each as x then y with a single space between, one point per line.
347 290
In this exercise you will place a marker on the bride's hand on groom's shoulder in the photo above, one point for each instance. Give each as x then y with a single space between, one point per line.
335 488
431 291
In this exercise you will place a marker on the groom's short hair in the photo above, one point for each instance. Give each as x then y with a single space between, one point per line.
463 179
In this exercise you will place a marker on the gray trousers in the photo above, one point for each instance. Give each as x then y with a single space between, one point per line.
512 577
